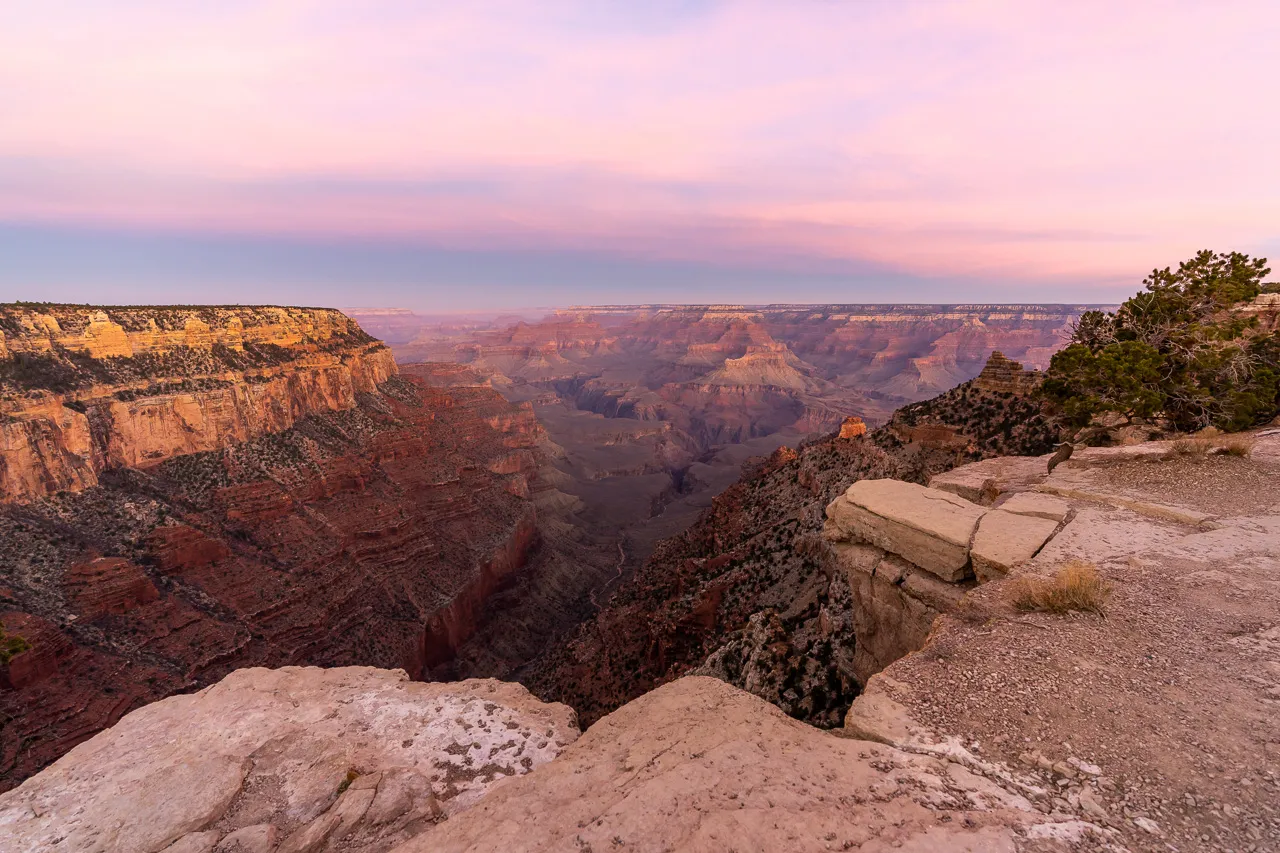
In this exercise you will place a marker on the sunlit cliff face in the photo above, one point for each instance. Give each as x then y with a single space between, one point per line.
989 140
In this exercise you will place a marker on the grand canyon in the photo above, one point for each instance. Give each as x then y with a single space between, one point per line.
693 426
594 504
192 491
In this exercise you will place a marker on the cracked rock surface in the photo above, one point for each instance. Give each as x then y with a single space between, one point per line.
295 760
698 765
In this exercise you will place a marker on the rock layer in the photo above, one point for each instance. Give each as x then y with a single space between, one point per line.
927 527
369 524
85 390
912 553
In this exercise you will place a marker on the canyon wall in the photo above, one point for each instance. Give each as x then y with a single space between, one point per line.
724 374
753 594
83 390
180 502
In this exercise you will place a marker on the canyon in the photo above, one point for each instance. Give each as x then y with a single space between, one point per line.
811 635
982 726
189 491
658 406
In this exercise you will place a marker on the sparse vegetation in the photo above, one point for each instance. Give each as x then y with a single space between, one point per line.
1179 351
1240 446
1200 446
11 645
352 775
994 423
1075 586
1190 447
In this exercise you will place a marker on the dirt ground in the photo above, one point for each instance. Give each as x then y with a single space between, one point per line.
1161 719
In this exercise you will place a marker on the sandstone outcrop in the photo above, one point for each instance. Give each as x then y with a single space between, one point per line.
1108 714
852 427
1003 375
108 585
294 760
84 390
699 765
927 527
912 553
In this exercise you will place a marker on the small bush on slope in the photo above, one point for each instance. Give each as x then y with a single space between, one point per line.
11 645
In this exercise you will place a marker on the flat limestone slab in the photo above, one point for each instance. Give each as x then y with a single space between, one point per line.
928 527
1005 540
982 481
1100 457
1037 504
1082 484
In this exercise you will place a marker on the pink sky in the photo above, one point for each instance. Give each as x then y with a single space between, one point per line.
1006 141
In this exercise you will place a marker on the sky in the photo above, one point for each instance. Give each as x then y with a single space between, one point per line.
491 154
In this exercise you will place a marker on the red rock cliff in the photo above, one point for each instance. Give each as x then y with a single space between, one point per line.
291 502
83 389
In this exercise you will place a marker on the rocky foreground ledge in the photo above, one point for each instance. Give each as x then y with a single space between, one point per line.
1154 727
299 760
1158 719
292 760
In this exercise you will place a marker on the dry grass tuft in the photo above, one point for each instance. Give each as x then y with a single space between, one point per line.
1191 447
1076 586
1240 446
1202 445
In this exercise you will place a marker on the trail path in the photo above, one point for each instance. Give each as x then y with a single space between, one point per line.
622 561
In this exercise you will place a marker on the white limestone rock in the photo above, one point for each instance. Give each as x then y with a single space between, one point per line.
927 527
1037 504
352 759
698 765
1005 540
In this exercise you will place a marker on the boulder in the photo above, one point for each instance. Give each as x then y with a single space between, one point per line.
1005 539
927 527
352 759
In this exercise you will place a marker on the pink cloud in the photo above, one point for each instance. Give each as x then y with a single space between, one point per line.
988 138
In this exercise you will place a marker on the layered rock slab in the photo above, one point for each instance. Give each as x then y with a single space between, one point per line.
699 765
1005 539
927 527
984 481
896 604
351 758
1038 505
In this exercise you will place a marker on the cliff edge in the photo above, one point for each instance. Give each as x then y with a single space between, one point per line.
189 491
84 389
1109 627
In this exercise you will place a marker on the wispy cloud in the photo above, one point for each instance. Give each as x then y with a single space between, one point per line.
987 139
